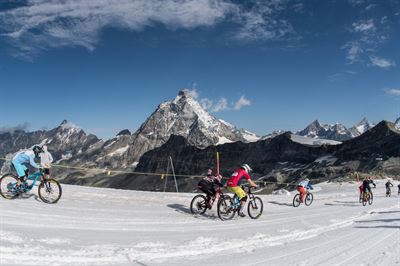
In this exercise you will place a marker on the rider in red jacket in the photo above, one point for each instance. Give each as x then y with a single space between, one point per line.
235 188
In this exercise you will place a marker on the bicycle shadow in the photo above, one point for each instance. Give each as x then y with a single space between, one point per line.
185 210
25 196
280 203
343 203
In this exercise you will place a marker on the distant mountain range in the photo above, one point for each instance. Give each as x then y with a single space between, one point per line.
183 119
336 131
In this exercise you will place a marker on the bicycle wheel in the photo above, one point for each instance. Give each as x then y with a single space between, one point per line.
296 200
371 198
225 208
198 205
309 199
50 191
7 186
255 208
365 199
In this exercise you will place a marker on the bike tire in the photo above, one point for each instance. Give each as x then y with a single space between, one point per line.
255 208
6 184
198 205
48 187
225 208
365 200
371 198
309 199
296 200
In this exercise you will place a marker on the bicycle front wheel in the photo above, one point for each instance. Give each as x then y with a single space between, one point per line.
296 200
365 199
225 208
255 208
309 199
371 198
198 205
50 191
8 188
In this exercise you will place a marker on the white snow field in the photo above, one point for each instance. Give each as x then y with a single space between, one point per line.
97 226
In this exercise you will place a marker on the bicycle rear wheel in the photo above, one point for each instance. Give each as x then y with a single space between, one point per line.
225 208
296 200
255 208
8 188
365 199
50 191
198 205
309 199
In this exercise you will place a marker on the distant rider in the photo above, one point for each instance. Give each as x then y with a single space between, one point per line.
209 186
398 193
25 157
302 187
235 188
388 184
45 161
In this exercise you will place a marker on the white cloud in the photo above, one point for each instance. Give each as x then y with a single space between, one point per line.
25 126
221 105
206 103
241 102
192 93
43 24
395 92
354 50
382 62
364 25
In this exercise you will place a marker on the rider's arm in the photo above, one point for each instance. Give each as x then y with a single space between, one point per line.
251 182
32 162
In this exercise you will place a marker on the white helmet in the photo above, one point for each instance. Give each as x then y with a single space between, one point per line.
247 168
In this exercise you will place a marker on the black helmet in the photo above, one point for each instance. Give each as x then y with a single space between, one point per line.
37 149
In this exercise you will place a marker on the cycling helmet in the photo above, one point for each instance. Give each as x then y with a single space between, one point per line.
37 149
247 168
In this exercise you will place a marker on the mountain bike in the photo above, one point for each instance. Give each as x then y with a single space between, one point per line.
367 197
309 199
198 205
228 206
49 190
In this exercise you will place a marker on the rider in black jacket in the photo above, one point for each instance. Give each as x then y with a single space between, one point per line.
366 184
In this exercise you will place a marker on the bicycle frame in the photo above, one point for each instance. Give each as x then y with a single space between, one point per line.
33 177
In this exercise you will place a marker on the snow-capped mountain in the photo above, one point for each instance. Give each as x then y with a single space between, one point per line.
336 131
317 130
184 116
64 141
397 123
360 128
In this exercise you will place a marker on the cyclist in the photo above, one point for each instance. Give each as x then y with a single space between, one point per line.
302 188
25 157
45 160
388 184
232 184
366 184
208 185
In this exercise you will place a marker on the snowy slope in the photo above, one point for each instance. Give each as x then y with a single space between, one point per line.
93 226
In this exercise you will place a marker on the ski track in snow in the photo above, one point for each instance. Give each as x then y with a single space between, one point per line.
95 226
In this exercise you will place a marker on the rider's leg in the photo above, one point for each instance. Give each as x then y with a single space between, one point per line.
22 172
303 193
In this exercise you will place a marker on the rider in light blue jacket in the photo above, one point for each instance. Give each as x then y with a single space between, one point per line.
25 157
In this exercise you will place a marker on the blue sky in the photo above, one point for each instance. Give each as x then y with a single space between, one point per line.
262 65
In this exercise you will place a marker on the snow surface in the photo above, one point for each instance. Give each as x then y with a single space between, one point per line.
313 142
97 226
